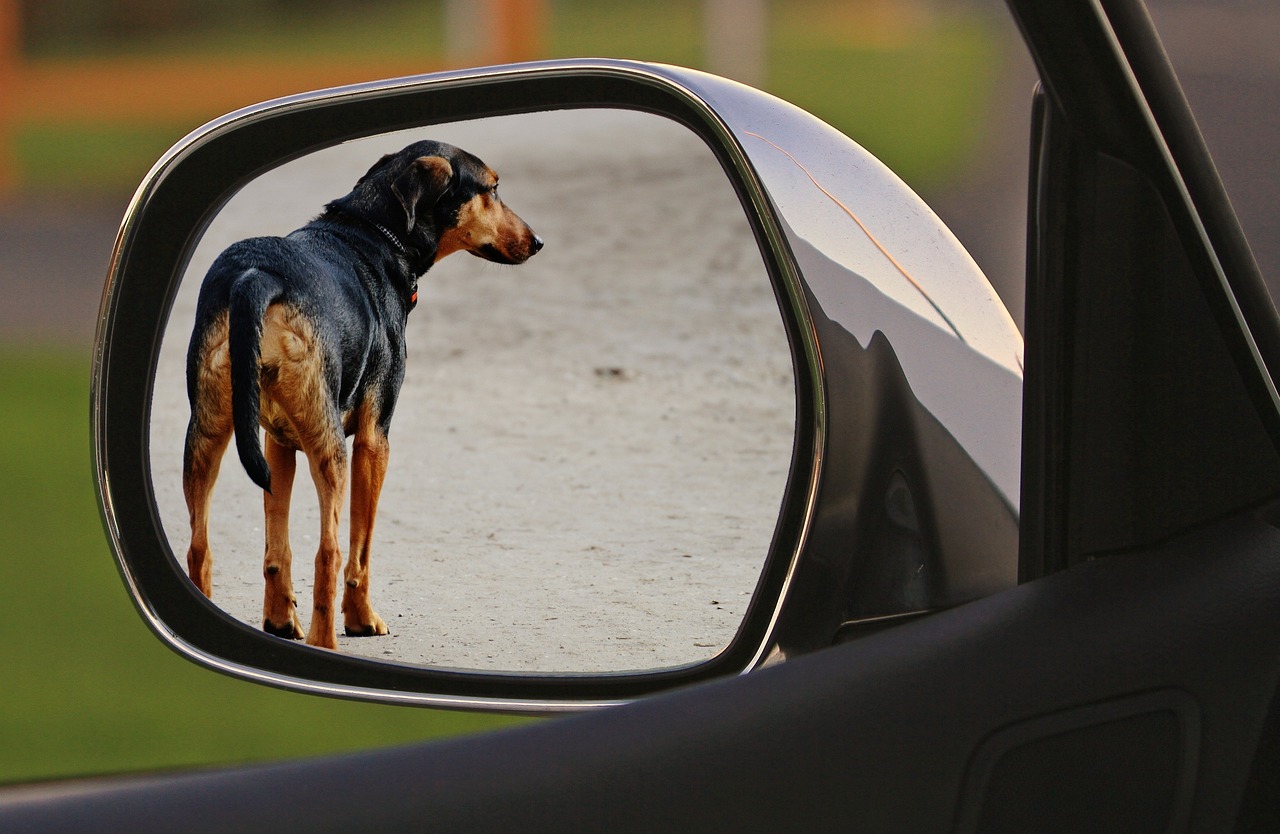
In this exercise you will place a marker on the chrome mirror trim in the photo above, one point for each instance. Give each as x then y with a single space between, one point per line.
224 154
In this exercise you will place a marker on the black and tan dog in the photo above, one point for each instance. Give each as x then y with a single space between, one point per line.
304 335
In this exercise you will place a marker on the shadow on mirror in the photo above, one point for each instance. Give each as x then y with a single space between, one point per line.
589 450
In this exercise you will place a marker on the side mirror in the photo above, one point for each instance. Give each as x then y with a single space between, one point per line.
752 398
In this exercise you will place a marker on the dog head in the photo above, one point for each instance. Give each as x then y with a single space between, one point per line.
439 199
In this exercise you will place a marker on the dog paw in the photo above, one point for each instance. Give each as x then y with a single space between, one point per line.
373 629
289 631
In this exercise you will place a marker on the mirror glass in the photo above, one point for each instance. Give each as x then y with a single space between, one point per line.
590 449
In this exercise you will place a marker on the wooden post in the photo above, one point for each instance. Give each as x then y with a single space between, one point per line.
464 38
10 77
493 31
736 34
517 30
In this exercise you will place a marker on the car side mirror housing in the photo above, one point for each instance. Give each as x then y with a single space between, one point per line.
753 398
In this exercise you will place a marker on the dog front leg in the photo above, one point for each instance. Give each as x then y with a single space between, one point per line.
279 605
368 469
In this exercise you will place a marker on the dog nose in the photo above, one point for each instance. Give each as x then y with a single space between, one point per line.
537 244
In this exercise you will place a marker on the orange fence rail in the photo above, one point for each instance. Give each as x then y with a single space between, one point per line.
176 90
9 83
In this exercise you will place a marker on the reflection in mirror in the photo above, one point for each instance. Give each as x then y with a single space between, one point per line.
590 449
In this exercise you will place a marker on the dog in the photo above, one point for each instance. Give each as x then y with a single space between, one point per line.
303 335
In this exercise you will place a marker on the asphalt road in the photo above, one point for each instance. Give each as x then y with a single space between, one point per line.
54 253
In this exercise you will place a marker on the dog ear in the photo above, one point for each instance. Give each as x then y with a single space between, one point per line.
425 181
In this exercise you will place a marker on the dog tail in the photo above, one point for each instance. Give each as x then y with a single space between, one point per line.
251 294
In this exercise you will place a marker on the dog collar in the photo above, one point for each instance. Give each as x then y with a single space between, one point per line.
395 241
400 247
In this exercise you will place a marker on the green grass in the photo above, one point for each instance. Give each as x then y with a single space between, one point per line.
95 158
914 97
917 104
387 28
666 31
87 688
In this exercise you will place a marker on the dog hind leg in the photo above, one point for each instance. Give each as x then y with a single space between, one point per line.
370 451
208 435
294 390
329 471
279 605
201 461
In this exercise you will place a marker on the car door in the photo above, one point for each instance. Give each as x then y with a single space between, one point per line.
1127 683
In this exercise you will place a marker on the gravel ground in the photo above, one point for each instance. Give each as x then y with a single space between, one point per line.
590 449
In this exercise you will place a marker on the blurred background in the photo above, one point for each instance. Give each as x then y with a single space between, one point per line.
92 92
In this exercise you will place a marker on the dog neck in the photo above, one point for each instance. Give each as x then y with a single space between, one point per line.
409 284
395 241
